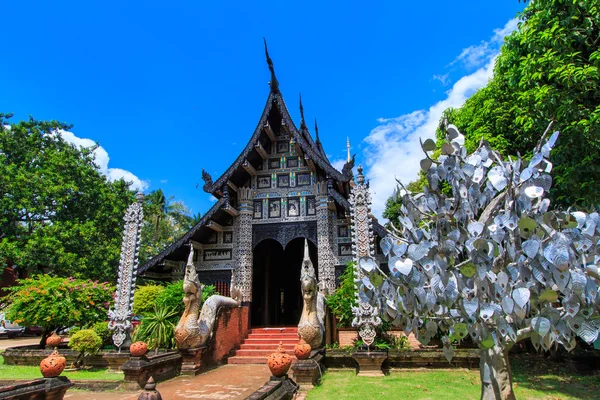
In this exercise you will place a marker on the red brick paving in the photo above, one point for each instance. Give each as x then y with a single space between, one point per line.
228 382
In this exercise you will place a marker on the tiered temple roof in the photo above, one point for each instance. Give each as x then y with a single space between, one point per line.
275 118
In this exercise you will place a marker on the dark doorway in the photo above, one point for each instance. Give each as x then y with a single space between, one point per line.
276 295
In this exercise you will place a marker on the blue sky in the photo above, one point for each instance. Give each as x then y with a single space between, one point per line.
170 88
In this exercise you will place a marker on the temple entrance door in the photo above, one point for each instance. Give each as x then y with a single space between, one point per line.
276 295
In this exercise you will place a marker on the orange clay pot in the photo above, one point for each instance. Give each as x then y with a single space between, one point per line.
302 350
279 362
53 340
53 365
138 349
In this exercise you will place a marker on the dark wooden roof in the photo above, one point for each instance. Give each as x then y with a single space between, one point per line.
302 137
177 245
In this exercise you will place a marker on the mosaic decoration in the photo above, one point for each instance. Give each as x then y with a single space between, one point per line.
490 260
243 266
325 249
120 316
366 317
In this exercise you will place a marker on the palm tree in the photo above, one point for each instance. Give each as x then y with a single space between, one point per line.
158 207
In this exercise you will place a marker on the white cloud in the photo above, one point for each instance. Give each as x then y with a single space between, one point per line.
338 164
393 150
442 78
477 55
164 181
101 159
212 199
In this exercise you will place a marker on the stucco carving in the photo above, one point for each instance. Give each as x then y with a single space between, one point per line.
310 327
193 331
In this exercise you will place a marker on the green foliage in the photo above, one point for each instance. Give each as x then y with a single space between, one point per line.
101 329
341 302
385 341
157 328
547 70
59 213
165 220
171 297
54 303
208 291
145 298
86 342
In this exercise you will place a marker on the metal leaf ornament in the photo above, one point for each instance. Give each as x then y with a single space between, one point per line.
491 260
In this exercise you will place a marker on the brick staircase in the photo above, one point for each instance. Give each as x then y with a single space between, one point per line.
261 342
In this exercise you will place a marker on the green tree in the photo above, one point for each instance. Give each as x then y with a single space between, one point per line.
165 220
58 213
548 70
54 303
344 298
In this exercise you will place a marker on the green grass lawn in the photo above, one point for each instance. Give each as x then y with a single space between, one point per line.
534 378
17 372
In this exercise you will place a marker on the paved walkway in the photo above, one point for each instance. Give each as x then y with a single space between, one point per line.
20 341
228 382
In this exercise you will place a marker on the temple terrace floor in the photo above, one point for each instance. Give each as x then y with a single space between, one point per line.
227 382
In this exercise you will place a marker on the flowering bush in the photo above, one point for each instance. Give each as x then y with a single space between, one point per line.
55 303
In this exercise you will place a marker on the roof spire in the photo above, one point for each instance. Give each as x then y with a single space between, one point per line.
274 84
302 123
348 148
317 130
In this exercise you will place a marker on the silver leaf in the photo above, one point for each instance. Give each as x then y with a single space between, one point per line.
541 325
497 178
531 248
521 296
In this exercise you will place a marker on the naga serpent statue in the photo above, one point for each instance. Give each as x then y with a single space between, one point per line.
193 331
310 327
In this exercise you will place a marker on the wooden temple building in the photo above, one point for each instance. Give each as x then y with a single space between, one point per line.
280 190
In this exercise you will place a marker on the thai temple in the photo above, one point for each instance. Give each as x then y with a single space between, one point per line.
279 191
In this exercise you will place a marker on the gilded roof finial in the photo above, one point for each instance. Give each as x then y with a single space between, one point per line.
348 148
302 122
274 84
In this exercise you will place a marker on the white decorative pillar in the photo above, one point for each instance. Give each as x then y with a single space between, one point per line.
120 316
366 317
325 246
243 257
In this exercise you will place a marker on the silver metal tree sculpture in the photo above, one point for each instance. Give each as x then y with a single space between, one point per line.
366 316
120 316
480 253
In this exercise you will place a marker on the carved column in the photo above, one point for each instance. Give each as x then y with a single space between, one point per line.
366 316
120 316
243 265
325 246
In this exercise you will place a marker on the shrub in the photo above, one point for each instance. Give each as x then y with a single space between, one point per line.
55 303
145 298
101 329
171 297
341 302
208 291
157 328
86 342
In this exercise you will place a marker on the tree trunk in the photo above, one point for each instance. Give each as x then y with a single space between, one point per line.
45 334
496 375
